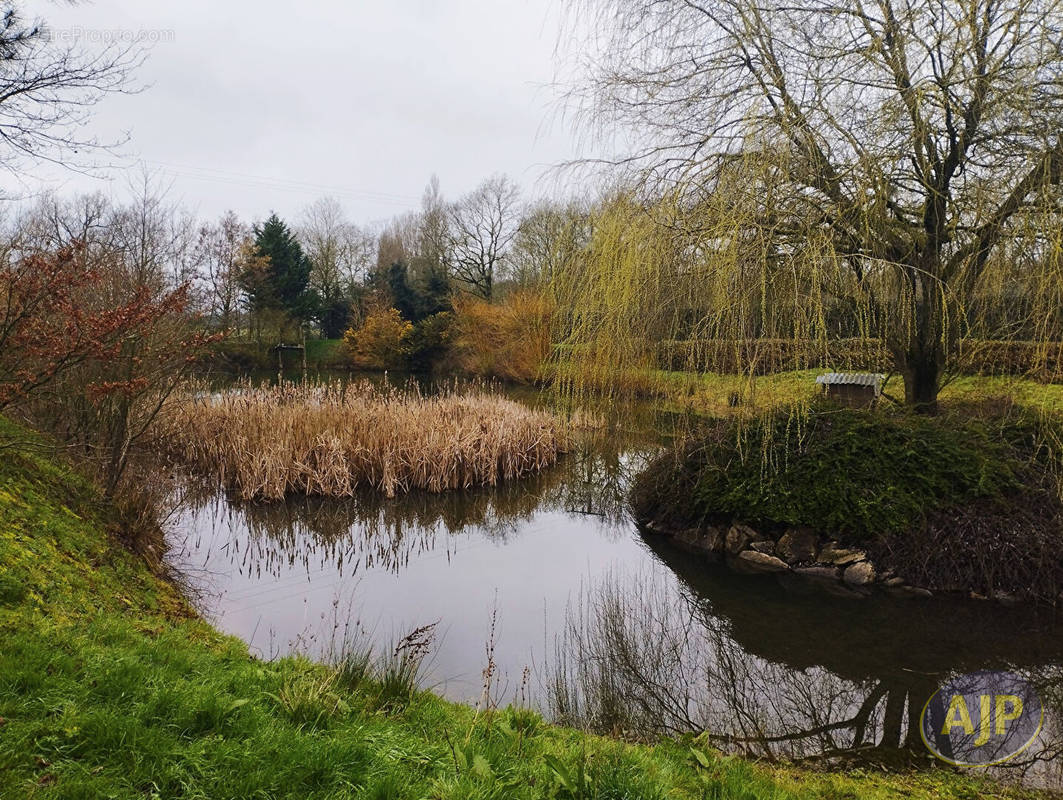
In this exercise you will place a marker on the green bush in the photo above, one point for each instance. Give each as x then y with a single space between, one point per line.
836 470
428 341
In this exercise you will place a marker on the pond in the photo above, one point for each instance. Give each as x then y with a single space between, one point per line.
579 615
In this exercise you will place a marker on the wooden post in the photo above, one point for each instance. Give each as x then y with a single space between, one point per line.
304 355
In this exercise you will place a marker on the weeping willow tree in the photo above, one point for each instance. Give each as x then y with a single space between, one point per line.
807 170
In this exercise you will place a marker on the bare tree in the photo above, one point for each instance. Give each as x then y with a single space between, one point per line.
397 242
220 255
917 140
47 91
433 256
325 236
548 236
155 236
340 254
53 224
482 226
420 240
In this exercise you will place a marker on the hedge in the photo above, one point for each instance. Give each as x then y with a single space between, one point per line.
1040 360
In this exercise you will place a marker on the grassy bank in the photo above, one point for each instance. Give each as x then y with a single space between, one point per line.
109 687
721 395
244 355
727 394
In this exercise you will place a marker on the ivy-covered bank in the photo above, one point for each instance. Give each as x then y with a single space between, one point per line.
967 502
111 687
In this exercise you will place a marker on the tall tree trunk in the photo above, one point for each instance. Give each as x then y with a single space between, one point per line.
923 354
922 379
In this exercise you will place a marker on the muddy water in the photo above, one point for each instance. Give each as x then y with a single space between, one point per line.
597 625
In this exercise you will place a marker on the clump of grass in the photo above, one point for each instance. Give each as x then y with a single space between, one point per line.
354 668
307 696
392 680
330 440
400 672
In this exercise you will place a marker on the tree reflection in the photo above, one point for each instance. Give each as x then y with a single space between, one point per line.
767 673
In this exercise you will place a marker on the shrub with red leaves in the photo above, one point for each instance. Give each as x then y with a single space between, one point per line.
88 354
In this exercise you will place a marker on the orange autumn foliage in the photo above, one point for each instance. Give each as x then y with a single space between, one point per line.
509 340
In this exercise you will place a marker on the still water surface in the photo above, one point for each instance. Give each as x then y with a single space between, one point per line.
594 624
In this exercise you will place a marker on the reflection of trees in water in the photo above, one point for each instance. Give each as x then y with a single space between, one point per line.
766 673
773 709
370 531
597 474
636 659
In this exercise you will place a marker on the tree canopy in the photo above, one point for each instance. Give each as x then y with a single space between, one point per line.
279 277
897 158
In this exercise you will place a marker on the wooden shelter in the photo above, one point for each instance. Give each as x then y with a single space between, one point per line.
854 389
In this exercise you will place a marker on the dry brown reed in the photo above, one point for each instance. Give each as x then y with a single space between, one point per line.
266 442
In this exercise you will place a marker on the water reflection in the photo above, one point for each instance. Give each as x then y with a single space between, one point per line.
374 532
622 634
278 575
774 672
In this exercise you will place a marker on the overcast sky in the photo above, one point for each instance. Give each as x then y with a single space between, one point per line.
258 105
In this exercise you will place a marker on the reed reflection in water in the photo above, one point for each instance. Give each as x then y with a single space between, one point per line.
287 576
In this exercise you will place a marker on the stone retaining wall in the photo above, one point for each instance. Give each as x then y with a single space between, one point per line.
799 552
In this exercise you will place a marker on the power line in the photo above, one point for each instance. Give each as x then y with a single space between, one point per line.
233 178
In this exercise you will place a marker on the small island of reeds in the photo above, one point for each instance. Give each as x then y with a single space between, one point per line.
267 442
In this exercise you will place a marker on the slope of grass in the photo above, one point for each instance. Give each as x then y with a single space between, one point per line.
325 353
109 687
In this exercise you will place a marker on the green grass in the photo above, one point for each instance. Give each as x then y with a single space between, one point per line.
723 395
109 687
711 394
974 389
324 352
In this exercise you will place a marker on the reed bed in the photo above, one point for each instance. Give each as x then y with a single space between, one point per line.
267 442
